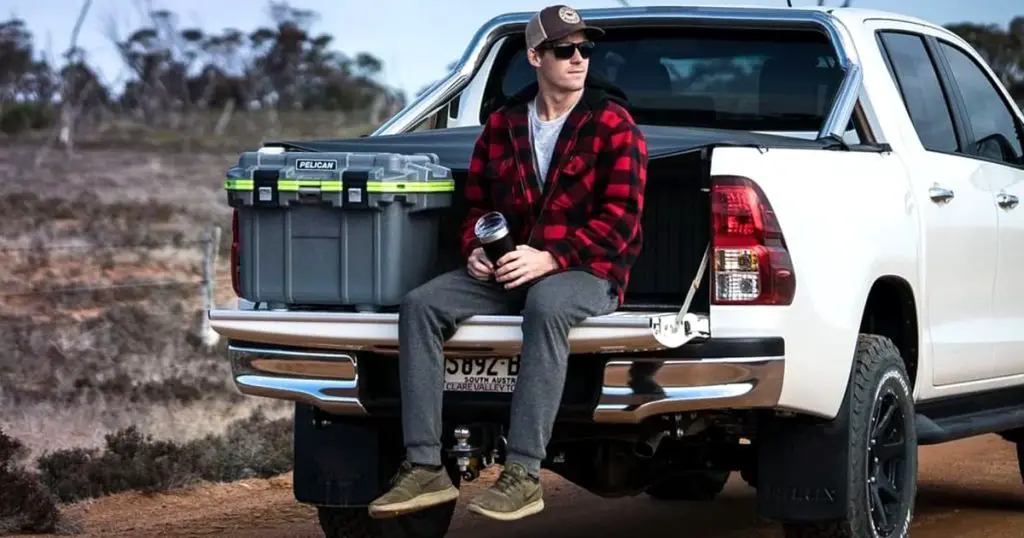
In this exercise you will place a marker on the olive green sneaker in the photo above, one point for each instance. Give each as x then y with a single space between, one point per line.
513 496
414 488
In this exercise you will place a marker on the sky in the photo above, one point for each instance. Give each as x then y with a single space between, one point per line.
415 39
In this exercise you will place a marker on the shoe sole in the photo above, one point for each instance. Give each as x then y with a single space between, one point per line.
415 504
528 510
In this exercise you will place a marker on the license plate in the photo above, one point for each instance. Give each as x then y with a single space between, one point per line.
481 374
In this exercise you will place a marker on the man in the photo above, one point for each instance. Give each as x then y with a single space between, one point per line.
566 165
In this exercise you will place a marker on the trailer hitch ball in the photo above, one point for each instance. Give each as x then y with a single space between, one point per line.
470 459
462 448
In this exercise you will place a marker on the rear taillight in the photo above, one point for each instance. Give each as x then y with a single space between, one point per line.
750 261
235 284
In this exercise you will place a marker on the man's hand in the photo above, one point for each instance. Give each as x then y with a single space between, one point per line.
479 266
524 264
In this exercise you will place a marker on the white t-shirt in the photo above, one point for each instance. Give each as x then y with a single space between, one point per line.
544 135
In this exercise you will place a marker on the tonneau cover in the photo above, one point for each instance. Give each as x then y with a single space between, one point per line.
454 145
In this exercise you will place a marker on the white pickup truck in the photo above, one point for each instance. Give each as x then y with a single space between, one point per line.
839 190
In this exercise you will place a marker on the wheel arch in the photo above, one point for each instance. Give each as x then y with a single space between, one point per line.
890 310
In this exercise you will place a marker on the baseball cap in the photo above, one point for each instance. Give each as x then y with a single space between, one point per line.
555 22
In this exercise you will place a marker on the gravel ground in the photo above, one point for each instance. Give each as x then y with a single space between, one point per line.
969 489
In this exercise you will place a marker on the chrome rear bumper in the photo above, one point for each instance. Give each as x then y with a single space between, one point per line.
632 390
675 386
325 379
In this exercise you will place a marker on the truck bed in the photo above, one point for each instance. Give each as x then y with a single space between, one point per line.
676 225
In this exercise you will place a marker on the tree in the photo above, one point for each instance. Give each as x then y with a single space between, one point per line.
174 70
284 64
26 81
1002 49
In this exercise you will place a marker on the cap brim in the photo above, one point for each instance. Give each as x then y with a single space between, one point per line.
592 32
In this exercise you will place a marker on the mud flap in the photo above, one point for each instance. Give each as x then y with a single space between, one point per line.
337 462
803 466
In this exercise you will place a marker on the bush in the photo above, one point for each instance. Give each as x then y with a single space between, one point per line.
129 461
22 117
26 505
250 448
254 447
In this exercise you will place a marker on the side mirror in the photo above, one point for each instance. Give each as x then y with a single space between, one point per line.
997 147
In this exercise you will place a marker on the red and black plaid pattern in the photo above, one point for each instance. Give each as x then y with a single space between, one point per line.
588 214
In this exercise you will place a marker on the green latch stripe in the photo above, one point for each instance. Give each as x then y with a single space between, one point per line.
238 184
414 186
293 185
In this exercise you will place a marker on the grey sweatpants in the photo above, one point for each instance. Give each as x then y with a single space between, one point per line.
550 307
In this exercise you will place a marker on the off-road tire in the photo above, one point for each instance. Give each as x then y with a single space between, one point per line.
1020 459
690 486
1016 436
879 382
355 522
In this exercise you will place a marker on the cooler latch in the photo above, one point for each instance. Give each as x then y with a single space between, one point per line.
353 184
264 184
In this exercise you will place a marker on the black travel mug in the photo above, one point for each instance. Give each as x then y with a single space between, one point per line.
492 231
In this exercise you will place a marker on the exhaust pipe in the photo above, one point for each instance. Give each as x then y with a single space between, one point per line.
649 446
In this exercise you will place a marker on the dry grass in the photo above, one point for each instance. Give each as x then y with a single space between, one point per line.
104 386
246 130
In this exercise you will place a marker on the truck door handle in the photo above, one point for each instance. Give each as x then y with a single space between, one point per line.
1006 201
940 195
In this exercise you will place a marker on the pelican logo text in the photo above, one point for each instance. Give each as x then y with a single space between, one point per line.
316 164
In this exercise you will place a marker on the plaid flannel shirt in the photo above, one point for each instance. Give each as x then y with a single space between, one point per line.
588 215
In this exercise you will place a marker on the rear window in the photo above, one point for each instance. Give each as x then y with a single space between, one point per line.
728 79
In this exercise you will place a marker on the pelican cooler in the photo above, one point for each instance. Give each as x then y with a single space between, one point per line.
344 229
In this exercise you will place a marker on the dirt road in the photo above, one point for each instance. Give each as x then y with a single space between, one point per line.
968 489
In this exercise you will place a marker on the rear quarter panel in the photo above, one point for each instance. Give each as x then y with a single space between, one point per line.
848 219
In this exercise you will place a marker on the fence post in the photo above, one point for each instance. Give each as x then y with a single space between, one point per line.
211 248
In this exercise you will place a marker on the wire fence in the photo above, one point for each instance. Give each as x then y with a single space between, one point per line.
103 247
68 290
204 286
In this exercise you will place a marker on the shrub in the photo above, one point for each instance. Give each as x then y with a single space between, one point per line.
22 117
250 448
129 460
26 505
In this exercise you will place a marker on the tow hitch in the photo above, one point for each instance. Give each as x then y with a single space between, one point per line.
471 458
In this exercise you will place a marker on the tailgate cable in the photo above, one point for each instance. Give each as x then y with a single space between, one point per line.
693 287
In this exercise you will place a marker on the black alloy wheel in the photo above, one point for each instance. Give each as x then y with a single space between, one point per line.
887 463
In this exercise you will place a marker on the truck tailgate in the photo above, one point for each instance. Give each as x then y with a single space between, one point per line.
479 335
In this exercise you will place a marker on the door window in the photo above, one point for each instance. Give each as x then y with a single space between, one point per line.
996 130
918 81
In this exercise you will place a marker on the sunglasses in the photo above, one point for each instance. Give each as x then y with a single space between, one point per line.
564 51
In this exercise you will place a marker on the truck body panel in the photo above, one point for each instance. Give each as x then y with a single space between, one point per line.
847 223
